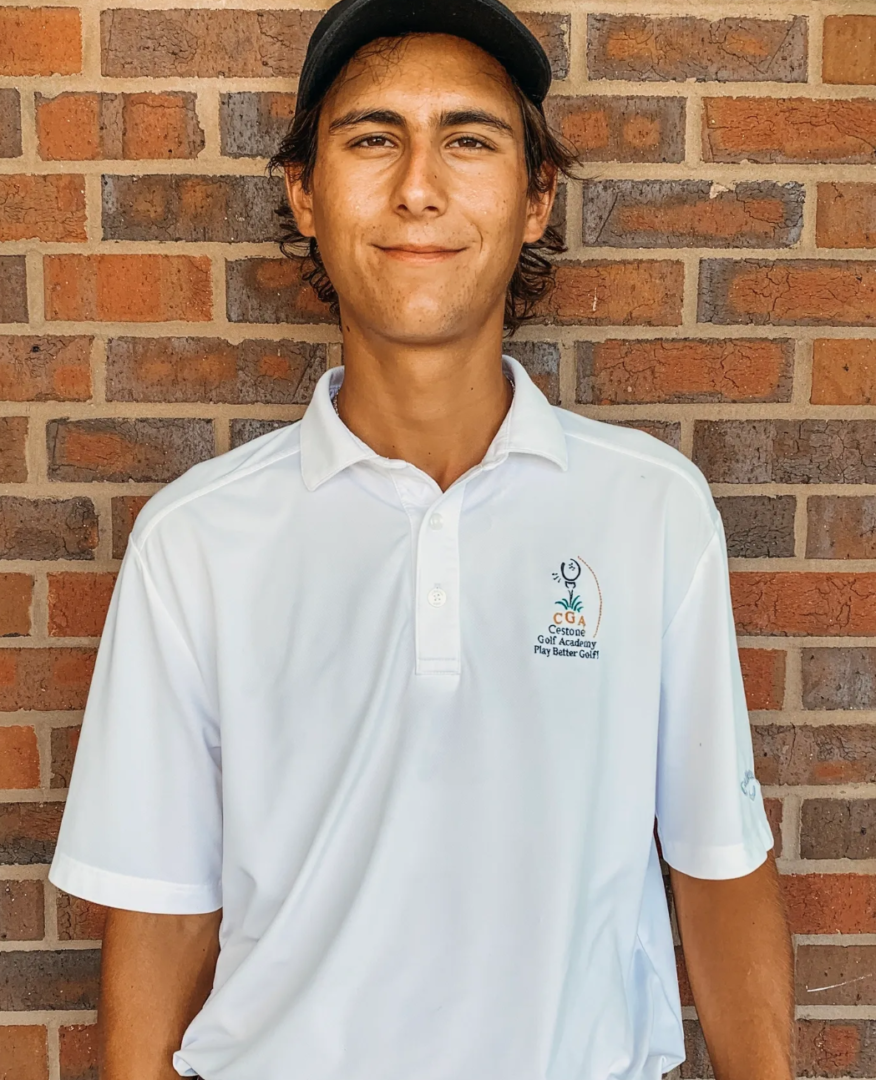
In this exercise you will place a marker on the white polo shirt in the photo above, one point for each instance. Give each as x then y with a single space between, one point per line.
413 743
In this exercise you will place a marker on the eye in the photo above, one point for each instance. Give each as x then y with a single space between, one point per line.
470 142
373 141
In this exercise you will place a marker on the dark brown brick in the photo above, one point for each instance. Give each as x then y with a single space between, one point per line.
194 44
78 1051
838 829
22 916
836 1048
786 451
125 509
691 213
789 130
668 431
47 528
552 30
697 1064
542 362
64 743
44 679
54 979
758 526
213 370
271 291
24 1052
623 372
839 678
10 123
773 809
723 50
844 371
13 289
836 974
78 919
850 49
645 292
223 209
254 124
805 292
16 593
622 129
825 754
244 430
118 450
763 671
28 832
13 460
846 216
45 368
841 527
801 604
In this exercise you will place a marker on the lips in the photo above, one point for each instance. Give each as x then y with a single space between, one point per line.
419 253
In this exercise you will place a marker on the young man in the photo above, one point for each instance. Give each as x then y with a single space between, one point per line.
388 699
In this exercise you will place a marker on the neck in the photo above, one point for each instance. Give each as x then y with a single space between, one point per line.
438 406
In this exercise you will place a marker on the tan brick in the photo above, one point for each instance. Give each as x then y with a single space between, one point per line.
725 50
13 288
50 208
76 126
127 288
125 509
841 527
24 1051
641 293
40 41
22 916
78 1051
50 979
839 678
16 592
801 603
28 833
623 129
45 368
13 438
836 974
78 919
846 215
10 123
850 49
791 130
44 679
824 754
838 829
47 528
19 757
844 372
64 743
830 904
78 603
763 671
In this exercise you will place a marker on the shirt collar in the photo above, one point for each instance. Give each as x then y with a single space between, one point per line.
531 426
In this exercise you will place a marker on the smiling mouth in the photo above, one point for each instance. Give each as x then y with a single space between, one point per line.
420 254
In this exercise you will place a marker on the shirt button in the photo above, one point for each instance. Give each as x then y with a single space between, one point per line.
437 597
436 521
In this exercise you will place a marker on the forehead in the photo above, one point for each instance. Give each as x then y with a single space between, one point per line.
424 72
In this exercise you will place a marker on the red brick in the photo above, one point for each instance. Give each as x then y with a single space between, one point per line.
22 915
24 1052
835 678
836 1048
623 129
10 123
774 809
64 743
13 460
47 528
810 292
214 370
50 208
841 527
763 671
691 213
830 903
40 41
836 974
51 979
19 757
45 368
78 1051
838 829
791 130
196 44
28 832
726 50
643 293
271 291
44 679
818 754
118 450
16 592
84 126
846 215
78 919
620 372
125 509
13 287
804 603
78 603
128 288
844 372
850 49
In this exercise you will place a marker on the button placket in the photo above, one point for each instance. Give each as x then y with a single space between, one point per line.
437 601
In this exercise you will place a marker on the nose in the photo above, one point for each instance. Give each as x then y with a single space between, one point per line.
419 189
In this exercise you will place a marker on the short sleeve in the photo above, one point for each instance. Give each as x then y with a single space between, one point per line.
142 826
710 814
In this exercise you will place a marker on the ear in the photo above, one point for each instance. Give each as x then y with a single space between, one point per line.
300 201
539 212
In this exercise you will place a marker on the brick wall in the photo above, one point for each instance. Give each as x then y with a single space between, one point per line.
719 291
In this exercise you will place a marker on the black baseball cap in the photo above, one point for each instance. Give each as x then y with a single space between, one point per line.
350 24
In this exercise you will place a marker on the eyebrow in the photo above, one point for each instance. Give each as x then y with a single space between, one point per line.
390 118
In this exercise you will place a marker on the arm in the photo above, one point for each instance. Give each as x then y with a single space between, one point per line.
156 973
739 958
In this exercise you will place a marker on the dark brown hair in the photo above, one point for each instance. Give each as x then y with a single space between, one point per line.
546 154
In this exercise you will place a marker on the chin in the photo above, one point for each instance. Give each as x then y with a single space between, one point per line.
428 320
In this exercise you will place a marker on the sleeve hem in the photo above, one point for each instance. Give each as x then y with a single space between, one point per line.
110 889
717 863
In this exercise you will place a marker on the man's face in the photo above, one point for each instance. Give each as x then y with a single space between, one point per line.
419 194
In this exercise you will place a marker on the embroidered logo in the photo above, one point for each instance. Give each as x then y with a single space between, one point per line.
574 628
749 785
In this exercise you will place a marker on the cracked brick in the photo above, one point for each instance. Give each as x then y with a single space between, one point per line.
758 526
822 754
49 208
802 603
40 41
47 528
635 293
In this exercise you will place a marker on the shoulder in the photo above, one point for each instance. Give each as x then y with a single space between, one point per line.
213 487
